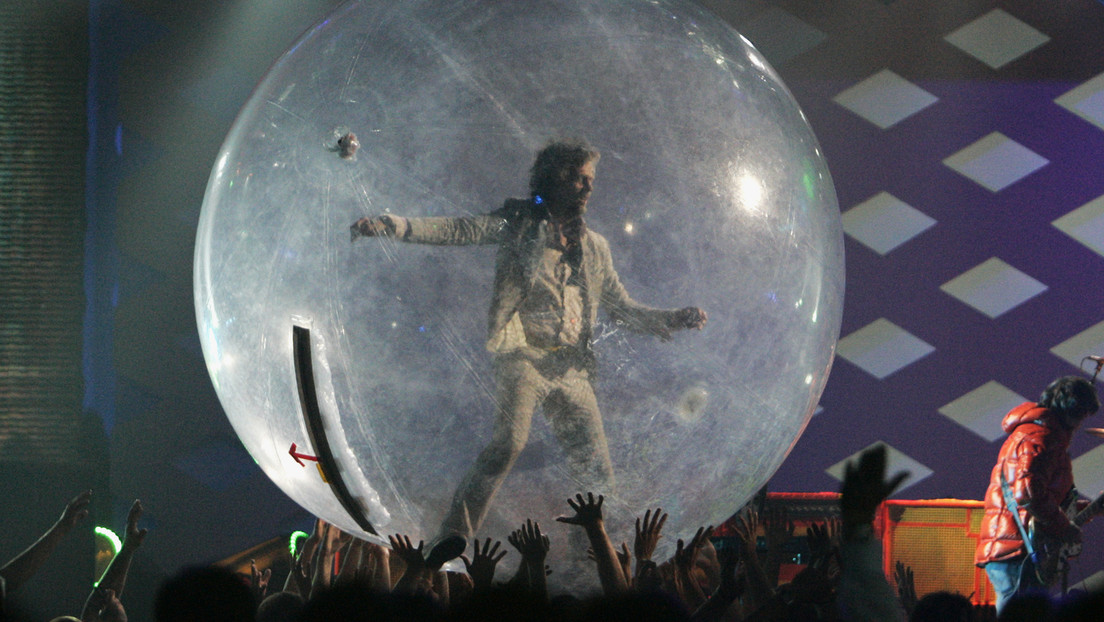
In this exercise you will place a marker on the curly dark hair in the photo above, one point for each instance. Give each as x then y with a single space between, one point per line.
1071 395
555 160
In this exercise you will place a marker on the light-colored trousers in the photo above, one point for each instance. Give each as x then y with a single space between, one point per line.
560 384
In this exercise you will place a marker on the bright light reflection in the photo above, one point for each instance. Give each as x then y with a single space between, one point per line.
751 192
629 228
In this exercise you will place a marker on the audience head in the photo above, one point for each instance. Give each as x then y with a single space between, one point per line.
637 607
943 607
204 594
1034 606
280 607
352 603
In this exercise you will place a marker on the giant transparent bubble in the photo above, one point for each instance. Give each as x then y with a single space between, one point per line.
711 191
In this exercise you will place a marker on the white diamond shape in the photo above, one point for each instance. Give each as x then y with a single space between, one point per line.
884 222
780 36
881 348
1086 101
896 462
885 99
1085 224
982 409
996 38
996 161
1089 342
1093 584
1088 470
993 287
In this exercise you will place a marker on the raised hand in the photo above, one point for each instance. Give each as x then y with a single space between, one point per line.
134 536
747 528
103 605
648 535
820 537
115 576
533 546
351 562
482 564
730 588
906 586
588 515
530 542
759 586
404 550
330 541
865 487
777 528
685 554
588 512
417 578
299 579
375 567
335 539
75 511
258 580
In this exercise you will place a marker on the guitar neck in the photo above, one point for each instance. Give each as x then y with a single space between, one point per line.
1090 512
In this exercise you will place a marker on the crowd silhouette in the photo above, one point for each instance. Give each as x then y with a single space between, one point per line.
336 576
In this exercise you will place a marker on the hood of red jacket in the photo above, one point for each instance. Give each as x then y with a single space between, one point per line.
1028 412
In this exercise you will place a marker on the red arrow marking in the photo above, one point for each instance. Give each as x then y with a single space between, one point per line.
296 456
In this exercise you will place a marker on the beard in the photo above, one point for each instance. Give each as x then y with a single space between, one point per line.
568 208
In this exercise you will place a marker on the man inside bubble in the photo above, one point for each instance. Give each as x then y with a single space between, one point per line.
551 276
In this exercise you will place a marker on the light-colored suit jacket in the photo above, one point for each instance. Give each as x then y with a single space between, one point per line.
521 236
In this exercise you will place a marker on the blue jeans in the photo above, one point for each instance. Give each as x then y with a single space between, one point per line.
1013 577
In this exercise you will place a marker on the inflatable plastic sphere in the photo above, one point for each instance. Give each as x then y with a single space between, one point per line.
359 374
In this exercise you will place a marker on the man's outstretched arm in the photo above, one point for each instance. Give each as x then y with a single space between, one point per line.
437 230
637 317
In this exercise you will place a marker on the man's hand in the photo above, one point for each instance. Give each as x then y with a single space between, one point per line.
588 512
778 529
103 606
300 578
648 534
377 226
906 587
822 539
747 528
865 487
258 580
531 543
412 557
75 511
134 536
685 553
482 564
690 317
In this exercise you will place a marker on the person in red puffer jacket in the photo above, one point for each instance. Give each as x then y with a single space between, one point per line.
1036 464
